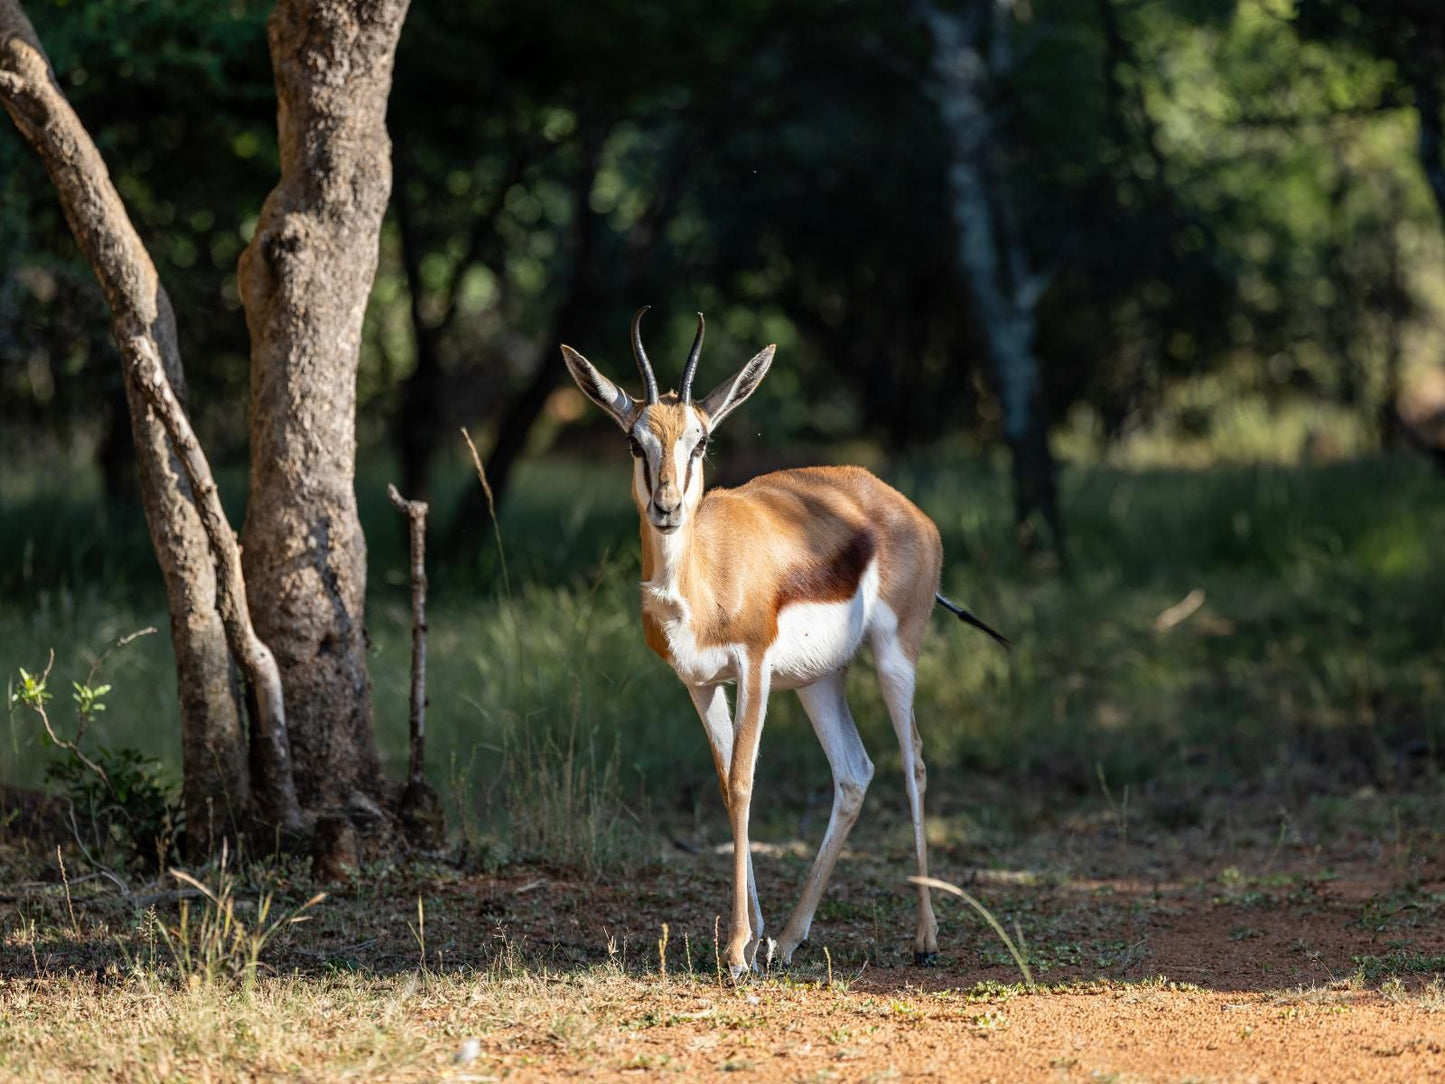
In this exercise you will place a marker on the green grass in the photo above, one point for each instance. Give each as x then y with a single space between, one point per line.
1319 652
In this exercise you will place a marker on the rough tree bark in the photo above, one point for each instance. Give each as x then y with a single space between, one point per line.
213 750
1006 290
304 280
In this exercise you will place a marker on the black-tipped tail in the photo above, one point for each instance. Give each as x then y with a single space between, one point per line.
968 619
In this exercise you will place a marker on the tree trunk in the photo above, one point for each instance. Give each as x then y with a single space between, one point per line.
213 750
994 262
305 278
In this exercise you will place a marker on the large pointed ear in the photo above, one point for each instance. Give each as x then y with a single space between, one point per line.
728 395
599 389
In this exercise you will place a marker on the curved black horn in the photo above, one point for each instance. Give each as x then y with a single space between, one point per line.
641 355
692 362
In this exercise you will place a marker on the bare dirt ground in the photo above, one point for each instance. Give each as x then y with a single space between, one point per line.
1323 968
1253 950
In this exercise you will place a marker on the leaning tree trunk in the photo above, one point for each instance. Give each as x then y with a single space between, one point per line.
304 279
993 258
213 749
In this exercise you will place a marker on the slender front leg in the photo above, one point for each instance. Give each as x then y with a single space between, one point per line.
717 723
752 706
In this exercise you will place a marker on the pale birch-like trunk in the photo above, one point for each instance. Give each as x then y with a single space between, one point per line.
1005 289
305 278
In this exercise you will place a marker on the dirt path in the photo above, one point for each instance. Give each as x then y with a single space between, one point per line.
1167 959
883 1030
1316 967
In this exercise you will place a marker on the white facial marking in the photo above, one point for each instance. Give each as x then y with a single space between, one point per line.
651 455
686 473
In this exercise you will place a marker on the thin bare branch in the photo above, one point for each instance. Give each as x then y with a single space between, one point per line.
38 706
124 641
415 513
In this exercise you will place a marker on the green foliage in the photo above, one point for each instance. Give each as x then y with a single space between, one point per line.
1373 968
1313 666
121 797
32 692
134 810
1228 193
565 807
88 700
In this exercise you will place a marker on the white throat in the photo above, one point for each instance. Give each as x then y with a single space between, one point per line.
669 556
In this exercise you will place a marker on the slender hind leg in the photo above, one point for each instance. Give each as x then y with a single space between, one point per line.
717 723
897 673
837 733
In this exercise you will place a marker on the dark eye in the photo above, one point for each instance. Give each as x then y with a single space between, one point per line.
701 447
634 447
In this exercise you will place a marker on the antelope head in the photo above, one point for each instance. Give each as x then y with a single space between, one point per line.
668 434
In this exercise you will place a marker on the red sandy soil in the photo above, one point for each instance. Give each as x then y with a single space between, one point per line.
1318 966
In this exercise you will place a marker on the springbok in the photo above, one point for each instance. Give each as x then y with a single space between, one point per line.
774 585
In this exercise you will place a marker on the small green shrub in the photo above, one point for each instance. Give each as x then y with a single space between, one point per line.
121 801
134 810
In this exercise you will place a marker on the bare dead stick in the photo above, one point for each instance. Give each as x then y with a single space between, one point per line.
415 513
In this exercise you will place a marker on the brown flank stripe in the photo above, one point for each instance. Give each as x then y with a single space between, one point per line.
832 580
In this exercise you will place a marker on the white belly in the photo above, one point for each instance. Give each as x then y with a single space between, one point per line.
814 638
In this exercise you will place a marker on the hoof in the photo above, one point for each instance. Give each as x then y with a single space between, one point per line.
783 957
925 959
738 972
